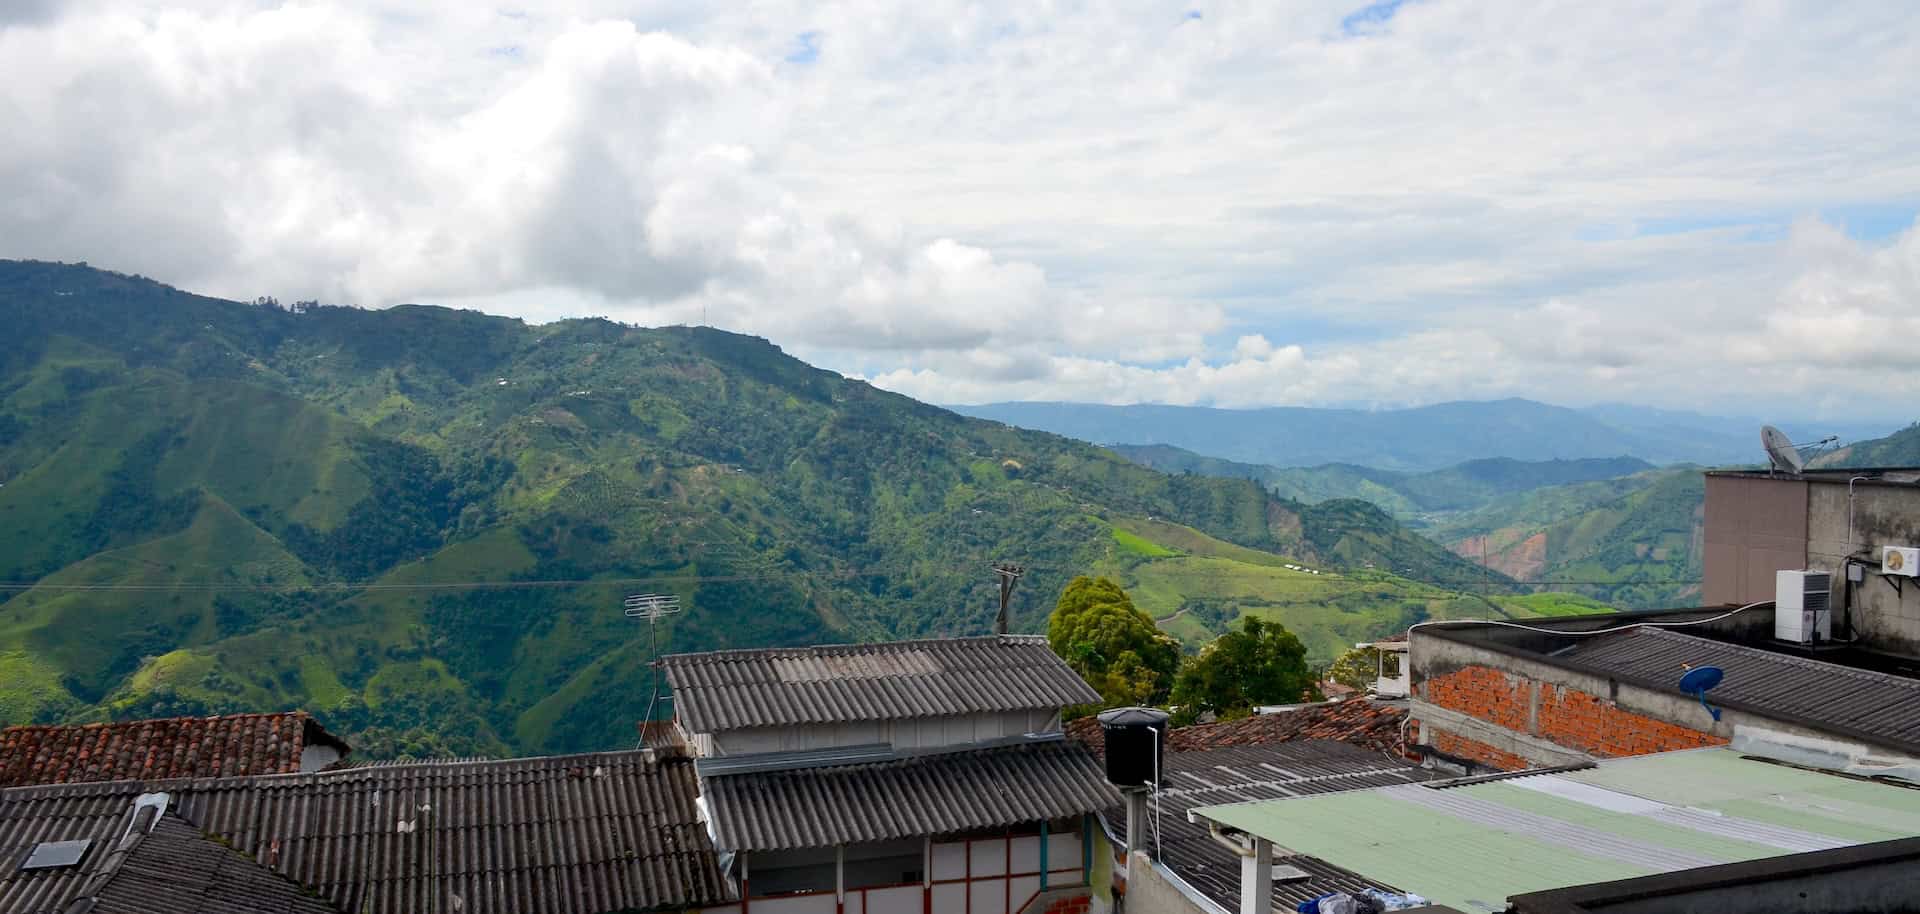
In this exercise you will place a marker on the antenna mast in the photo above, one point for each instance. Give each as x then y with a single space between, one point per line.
1009 574
652 607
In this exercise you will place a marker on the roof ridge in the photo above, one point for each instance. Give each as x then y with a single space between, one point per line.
149 721
1805 663
816 649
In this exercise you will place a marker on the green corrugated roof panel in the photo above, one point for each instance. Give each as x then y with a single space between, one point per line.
1445 859
1502 838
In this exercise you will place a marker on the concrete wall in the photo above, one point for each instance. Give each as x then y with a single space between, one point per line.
1754 527
906 733
1758 525
1155 890
1881 515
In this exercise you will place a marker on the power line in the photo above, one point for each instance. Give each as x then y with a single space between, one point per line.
349 586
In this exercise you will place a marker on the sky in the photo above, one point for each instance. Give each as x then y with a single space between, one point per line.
1697 205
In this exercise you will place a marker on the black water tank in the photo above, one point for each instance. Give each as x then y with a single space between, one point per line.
1136 740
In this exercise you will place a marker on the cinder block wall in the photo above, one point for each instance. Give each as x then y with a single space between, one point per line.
1565 716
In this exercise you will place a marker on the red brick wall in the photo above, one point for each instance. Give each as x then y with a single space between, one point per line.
1568 717
1457 746
1573 718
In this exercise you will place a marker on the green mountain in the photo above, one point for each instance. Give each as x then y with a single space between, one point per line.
1197 586
1635 542
420 523
1412 440
1900 449
1415 497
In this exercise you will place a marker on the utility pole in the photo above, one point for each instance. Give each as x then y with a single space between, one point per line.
1009 574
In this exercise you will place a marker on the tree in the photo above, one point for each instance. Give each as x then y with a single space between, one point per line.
1261 663
1357 668
1113 646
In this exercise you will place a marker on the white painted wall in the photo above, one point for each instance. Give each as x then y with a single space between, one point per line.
316 757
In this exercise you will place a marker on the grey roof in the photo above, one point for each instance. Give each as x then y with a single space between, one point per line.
1876 707
926 794
175 869
1260 772
728 690
582 834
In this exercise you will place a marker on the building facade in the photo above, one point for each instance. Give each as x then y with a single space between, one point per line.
920 777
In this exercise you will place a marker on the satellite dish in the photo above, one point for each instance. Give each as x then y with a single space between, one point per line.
1780 452
1700 680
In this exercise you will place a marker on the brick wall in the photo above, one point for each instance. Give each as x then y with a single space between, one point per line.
1456 746
1593 725
1568 717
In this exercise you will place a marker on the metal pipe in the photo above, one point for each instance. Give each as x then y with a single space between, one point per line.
1850 483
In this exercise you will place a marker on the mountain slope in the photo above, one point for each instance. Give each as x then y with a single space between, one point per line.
1407 496
1408 440
420 523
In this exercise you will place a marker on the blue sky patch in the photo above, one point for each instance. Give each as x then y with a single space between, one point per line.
1860 221
1370 17
806 48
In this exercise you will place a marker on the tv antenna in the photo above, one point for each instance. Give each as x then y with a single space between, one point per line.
1783 456
1699 680
1009 574
652 607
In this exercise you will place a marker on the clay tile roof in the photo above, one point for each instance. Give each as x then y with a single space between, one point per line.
180 747
1357 721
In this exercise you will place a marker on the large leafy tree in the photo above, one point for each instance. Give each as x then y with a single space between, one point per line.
1260 663
1114 646
1360 666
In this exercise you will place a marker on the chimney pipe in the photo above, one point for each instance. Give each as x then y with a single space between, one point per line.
1008 574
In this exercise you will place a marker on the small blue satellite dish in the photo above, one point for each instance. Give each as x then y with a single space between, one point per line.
1698 681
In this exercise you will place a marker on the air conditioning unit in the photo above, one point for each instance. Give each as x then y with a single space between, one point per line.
1901 560
1800 606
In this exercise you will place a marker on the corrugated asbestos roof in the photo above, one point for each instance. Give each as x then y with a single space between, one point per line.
174 869
1880 707
178 747
583 834
728 690
1623 818
934 794
1242 773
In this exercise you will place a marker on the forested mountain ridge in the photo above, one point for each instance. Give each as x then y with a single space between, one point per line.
1408 496
1415 439
275 496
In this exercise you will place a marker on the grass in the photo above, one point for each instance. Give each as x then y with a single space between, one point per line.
1196 586
1135 545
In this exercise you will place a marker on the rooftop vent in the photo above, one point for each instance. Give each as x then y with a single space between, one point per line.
53 855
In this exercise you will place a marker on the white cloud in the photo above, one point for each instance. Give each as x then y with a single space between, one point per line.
974 201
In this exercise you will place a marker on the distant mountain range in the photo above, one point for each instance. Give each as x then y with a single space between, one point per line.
1617 529
1418 439
1409 496
419 523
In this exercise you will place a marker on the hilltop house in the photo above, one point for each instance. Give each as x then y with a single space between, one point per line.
915 777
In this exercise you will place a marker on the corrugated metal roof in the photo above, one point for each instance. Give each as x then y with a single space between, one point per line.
1623 818
1879 707
174 869
932 794
1241 773
728 690
581 834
